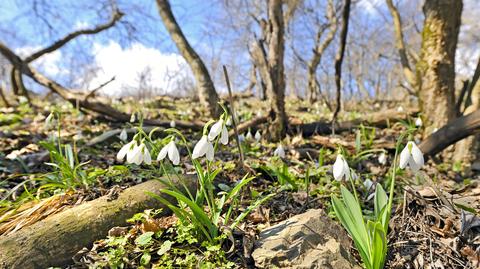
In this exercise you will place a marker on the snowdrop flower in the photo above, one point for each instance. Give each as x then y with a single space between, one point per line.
411 156
203 147
248 136
173 124
22 99
172 151
400 109
132 118
368 184
341 168
229 121
49 120
279 151
139 154
123 135
418 122
219 129
258 136
382 159
241 137
435 130
126 150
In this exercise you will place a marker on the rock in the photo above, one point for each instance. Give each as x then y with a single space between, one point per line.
308 240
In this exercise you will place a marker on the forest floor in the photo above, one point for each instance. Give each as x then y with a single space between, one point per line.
434 224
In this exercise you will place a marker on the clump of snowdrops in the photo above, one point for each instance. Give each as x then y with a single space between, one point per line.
370 235
212 214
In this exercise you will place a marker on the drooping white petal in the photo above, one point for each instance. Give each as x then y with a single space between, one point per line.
248 136
348 173
173 153
200 148
413 165
418 122
215 130
123 135
404 157
210 151
339 168
173 124
135 155
124 150
382 159
241 138
368 184
147 158
258 136
224 136
417 155
279 151
163 153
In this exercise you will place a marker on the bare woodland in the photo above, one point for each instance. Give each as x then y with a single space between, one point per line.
324 71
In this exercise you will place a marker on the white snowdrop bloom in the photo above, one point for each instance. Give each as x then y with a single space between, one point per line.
435 130
22 99
241 137
279 151
229 121
341 169
400 109
219 129
418 122
139 154
172 151
382 159
123 135
203 147
258 136
132 118
126 150
411 156
173 124
368 184
248 136
49 120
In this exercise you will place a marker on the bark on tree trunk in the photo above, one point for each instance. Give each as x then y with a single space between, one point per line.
54 240
437 63
206 90
276 85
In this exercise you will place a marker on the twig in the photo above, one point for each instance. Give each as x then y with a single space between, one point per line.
234 119
92 92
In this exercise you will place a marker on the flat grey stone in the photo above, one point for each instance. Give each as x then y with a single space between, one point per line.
308 240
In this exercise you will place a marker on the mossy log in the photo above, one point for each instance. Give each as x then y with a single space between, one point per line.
54 240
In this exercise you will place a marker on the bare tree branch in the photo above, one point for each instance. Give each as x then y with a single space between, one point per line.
117 15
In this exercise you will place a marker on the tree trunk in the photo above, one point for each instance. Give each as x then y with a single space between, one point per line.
437 62
206 90
320 47
3 94
467 150
276 85
339 60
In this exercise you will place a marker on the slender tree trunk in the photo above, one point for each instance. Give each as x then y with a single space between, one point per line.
276 85
206 90
437 62
2 94
339 59
320 47
18 86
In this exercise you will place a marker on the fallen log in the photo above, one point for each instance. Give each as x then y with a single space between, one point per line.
54 240
376 119
454 131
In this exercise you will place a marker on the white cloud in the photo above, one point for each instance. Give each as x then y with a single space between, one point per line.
167 70
48 63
